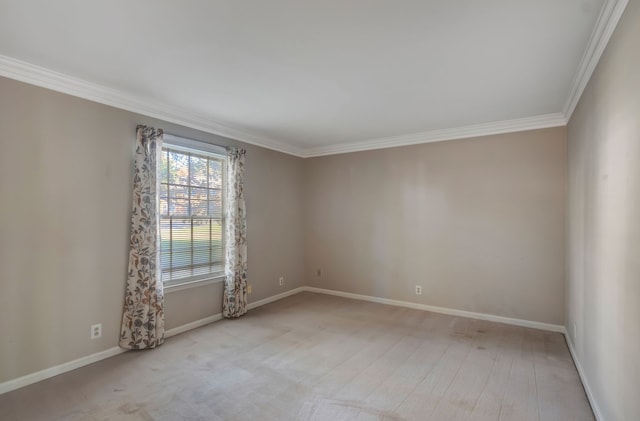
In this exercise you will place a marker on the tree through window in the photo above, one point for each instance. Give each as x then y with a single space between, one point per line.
191 214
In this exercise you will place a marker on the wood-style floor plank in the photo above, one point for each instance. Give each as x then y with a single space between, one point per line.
317 357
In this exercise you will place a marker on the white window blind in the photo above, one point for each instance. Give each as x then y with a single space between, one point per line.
191 214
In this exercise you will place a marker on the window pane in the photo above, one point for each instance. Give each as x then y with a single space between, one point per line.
215 173
191 226
164 206
216 231
198 207
215 203
181 259
178 168
164 165
201 233
165 235
179 207
198 171
216 252
198 193
180 234
165 260
201 256
178 192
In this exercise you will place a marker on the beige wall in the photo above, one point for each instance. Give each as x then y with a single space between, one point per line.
479 223
65 197
603 287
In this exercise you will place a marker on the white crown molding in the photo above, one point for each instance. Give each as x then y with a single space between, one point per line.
476 130
45 78
40 76
605 25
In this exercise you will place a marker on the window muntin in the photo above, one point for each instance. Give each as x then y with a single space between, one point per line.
191 199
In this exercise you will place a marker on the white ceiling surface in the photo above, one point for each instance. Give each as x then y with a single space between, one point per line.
317 74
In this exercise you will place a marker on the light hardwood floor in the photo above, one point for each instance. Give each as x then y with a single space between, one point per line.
317 357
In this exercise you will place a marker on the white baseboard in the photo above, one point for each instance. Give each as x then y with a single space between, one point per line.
481 316
203 322
193 325
443 310
275 297
90 359
592 400
47 373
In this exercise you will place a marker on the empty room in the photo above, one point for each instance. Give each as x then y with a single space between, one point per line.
323 210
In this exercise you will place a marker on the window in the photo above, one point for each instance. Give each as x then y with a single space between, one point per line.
191 198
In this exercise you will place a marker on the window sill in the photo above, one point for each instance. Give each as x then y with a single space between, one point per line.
193 284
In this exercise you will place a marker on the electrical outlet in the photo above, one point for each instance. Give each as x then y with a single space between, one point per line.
96 331
281 281
319 272
249 289
418 289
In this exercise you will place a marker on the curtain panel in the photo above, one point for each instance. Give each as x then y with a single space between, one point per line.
234 302
143 315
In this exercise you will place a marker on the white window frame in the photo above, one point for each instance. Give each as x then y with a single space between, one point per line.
189 145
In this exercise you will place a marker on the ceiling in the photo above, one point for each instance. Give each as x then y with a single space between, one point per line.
313 78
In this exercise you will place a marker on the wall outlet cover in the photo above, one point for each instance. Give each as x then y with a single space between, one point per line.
96 331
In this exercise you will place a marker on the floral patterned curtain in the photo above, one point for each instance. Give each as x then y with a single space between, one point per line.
234 302
143 318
